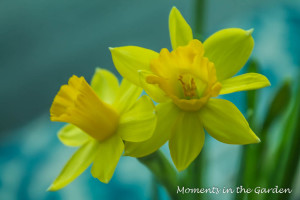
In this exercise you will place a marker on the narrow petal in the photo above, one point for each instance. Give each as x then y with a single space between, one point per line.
105 84
249 81
139 122
187 141
180 32
229 50
129 59
153 90
107 158
127 96
167 114
82 158
70 135
226 123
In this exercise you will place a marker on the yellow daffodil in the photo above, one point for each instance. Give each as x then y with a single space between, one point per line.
101 116
184 82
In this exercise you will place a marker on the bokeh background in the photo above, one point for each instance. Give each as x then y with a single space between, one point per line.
43 43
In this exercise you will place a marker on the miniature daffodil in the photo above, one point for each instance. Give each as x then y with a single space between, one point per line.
185 82
101 117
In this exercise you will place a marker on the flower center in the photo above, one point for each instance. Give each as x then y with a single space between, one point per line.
186 76
188 87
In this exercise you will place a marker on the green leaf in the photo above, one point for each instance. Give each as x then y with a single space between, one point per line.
278 104
283 167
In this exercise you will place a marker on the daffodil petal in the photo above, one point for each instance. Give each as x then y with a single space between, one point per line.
229 49
248 81
107 158
127 96
226 123
105 84
167 114
187 141
78 104
153 90
71 135
139 122
180 32
81 160
129 59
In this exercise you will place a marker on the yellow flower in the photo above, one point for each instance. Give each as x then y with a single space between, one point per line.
184 81
101 116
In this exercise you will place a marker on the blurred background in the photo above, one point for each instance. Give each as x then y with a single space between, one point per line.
43 43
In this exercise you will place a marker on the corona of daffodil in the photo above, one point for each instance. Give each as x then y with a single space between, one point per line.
101 116
185 82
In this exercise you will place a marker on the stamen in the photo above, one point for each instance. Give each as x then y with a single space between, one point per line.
189 89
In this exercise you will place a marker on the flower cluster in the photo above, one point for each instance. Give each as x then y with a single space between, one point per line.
106 119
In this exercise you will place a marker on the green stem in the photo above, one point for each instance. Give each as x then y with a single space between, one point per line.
199 18
240 176
247 159
163 171
197 170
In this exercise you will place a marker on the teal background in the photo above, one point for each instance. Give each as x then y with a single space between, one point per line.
43 43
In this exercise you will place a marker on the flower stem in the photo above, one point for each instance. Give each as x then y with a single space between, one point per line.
247 159
198 170
162 170
199 17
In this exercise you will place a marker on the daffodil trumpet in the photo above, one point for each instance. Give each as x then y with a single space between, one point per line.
101 117
185 82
